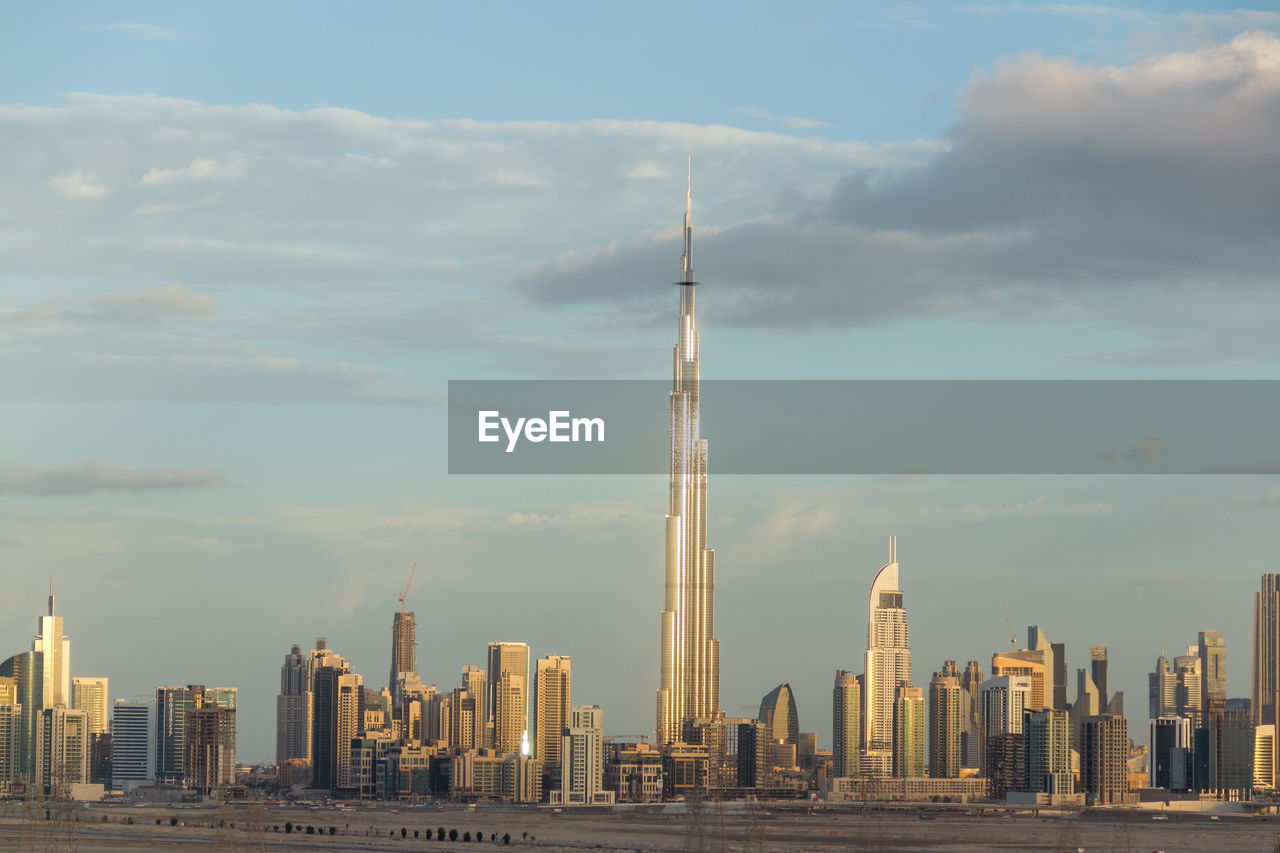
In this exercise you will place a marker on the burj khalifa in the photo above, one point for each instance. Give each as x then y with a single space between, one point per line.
690 669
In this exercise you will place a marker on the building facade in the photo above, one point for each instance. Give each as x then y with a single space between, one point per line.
887 664
689 665
846 725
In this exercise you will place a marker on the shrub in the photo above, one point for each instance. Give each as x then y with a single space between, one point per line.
311 830
173 821
466 836
415 833
333 830
453 835
506 838
288 827
440 834
403 832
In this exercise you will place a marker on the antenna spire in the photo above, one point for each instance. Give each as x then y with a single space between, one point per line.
686 260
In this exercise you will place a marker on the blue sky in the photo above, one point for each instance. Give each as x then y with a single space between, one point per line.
245 249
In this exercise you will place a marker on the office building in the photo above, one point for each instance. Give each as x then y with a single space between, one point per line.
1266 651
689 667
26 670
1170 761
336 718
1098 672
846 724
887 664
1212 651
582 751
54 648
210 745
508 709
62 750
132 744
971 715
779 715
1047 746
551 705
10 739
90 695
908 732
404 649
945 722
293 708
1104 753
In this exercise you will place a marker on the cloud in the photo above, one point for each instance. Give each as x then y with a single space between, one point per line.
77 185
148 303
1064 189
802 123
94 476
754 113
149 32
199 169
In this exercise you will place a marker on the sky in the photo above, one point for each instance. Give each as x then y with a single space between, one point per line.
244 248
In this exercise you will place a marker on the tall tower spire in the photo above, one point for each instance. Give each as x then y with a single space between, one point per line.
689 685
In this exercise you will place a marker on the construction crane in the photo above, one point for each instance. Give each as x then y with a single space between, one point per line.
1013 638
412 572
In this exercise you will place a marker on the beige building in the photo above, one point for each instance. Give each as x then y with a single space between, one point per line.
551 692
507 708
846 724
582 769
945 722
90 695
62 750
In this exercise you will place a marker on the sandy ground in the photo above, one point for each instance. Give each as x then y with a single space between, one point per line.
736 829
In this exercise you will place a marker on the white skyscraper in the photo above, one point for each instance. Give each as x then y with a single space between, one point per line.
90 695
689 673
133 756
888 664
582 751
55 649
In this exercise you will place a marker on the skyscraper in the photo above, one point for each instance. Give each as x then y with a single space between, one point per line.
293 708
172 705
1098 671
1213 667
90 695
1104 750
971 715
846 724
582 745
404 651
1047 747
945 722
779 715
1266 651
908 732
27 671
689 671
508 708
888 663
336 716
55 650
62 749
132 746
551 704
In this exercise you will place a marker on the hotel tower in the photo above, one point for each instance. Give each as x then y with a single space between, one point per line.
690 668
888 664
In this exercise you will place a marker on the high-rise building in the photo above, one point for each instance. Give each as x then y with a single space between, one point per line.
1213 667
210 744
1004 703
551 704
1266 651
404 650
132 744
336 717
1098 671
172 705
908 732
293 708
1169 766
1104 753
90 695
1224 752
26 669
689 671
10 740
778 713
1162 692
582 748
1047 746
1188 681
945 722
55 650
1264 756
971 715
508 708
888 664
846 724
62 750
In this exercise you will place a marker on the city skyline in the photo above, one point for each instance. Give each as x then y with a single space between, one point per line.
225 339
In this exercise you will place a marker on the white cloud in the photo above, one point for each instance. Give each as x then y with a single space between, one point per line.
96 476
77 185
802 123
199 169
